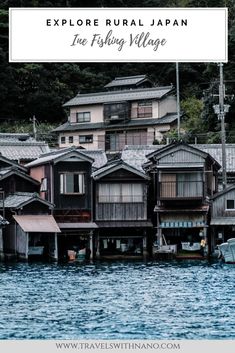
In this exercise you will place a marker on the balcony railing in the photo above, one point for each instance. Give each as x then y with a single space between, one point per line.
181 190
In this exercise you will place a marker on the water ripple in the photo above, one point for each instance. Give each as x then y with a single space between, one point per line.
165 300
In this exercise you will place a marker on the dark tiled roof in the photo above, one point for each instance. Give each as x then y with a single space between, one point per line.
18 199
136 155
224 191
167 119
6 172
215 150
126 81
11 163
22 150
114 165
97 157
79 127
117 96
14 137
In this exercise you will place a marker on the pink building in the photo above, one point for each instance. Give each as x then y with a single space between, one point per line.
130 111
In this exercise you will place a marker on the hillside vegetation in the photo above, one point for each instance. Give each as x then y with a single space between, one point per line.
40 89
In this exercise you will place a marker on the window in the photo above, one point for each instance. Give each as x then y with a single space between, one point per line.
230 205
83 117
62 140
181 184
70 139
121 193
43 186
85 138
144 109
116 140
116 111
72 183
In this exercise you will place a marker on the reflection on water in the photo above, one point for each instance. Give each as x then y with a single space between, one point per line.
175 300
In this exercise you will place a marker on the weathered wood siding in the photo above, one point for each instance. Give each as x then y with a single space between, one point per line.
121 211
181 156
15 183
220 203
36 208
21 244
72 201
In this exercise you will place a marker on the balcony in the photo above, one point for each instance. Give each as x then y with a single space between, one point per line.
172 190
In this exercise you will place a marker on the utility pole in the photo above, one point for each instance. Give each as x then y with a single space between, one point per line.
34 127
221 109
178 100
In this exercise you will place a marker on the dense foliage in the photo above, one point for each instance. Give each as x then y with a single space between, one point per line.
40 89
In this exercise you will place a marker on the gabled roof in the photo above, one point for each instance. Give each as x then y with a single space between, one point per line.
183 146
114 166
118 96
172 147
21 199
132 123
128 81
21 147
11 163
7 172
137 155
59 155
223 192
97 157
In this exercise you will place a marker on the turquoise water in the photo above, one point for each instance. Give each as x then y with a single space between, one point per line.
175 300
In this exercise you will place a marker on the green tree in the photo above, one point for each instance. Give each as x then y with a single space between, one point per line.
192 108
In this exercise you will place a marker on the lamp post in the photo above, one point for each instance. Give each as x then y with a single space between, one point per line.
221 109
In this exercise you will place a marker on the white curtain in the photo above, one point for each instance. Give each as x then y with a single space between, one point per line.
189 184
81 185
123 192
138 192
127 193
103 193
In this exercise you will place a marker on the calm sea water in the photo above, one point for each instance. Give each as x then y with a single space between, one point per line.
175 300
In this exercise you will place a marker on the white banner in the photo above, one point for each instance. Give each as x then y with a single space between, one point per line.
117 346
118 35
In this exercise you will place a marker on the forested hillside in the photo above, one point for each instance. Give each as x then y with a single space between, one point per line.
41 89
